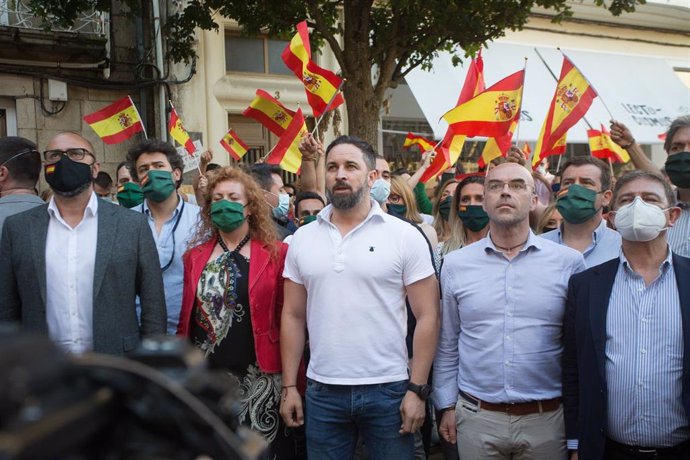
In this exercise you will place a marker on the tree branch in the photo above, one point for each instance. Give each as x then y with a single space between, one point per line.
321 26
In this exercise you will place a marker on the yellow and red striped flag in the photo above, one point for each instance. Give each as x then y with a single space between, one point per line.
496 147
451 146
321 85
268 111
491 112
117 122
573 97
421 141
180 134
286 153
602 146
234 145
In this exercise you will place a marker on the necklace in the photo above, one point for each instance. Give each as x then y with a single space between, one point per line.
509 250
239 246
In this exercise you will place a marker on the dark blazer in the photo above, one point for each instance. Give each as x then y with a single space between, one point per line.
585 392
126 266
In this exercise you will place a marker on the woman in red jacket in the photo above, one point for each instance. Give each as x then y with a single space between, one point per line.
233 297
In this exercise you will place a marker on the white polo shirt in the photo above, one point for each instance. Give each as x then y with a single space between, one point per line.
355 285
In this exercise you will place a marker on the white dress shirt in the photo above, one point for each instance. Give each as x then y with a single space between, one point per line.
70 263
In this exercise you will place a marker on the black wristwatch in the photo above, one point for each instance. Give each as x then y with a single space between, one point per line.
423 391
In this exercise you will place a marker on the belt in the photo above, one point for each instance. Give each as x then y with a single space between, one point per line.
648 452
526 408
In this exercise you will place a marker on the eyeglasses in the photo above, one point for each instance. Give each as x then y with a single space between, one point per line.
495 186
394 198
76 154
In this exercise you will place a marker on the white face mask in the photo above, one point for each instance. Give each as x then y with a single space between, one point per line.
380 190
640 221
281 211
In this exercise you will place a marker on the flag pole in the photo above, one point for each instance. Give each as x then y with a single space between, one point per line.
141 120
198 161
517 131
328 106
589 83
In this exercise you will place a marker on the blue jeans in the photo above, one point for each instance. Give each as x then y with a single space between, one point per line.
337 414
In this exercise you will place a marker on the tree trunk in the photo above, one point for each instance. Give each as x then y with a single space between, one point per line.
363 109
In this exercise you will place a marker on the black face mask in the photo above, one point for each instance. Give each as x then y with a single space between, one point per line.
678 169
67 177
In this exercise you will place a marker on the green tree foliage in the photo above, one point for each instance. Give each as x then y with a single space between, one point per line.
390 36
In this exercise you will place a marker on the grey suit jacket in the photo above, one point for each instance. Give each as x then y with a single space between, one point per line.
126 266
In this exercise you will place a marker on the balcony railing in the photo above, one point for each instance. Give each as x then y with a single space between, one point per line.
15 13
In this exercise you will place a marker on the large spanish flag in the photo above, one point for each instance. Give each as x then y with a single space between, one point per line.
451 147
180 134
286 153
269 112
117 122
321 85
491 112
234 145
572 99
602 146
422 142
558 148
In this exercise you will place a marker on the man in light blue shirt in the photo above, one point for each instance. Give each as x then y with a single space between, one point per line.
585 190
158 167
500 349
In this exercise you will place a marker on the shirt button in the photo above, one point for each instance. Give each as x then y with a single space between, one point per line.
643 351
509 313
507 363
507 337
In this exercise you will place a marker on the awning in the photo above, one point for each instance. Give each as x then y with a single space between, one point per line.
642 92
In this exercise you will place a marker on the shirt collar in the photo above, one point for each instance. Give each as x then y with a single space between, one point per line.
147 211
665 265
90 211
532 242
327 212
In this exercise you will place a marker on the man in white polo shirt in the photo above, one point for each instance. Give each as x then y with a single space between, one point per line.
347 276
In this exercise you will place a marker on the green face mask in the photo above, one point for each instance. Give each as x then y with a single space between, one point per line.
130 194
576 204
444 207
473 217
678 169
158 185
306 220
397 209
226 215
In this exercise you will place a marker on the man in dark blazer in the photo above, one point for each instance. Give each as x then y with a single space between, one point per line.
72 268
626 363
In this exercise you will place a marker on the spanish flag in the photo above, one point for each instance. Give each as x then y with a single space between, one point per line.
556 149
602 146
497 147
234 145
269 112
423 143
451 146
178 132
491 112
321 85
572 99
286 153
117 122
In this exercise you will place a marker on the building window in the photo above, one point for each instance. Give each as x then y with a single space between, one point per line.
255 55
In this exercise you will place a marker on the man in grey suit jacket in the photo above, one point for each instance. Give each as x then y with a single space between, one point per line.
73 268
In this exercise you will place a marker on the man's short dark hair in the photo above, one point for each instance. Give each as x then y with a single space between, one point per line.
263 174
605 177
301 196
367 150
24 169
640 174
154 146
103 180
212 166
678 123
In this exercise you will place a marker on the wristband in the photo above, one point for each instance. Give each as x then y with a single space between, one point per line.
625 147
288 386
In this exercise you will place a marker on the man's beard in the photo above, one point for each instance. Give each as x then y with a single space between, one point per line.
349 201
72 193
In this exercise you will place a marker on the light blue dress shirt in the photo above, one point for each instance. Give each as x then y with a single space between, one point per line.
644 359
171 247
606 244
679 235
502 322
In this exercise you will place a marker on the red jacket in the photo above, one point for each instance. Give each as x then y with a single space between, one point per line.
265 297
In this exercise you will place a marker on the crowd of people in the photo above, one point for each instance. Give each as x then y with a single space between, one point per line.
526 315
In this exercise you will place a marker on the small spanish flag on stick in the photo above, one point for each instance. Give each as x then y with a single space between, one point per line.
234 145
178 132
414 139
117 122
286 153
268 111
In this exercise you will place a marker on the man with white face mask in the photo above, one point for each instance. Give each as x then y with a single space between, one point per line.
626 391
